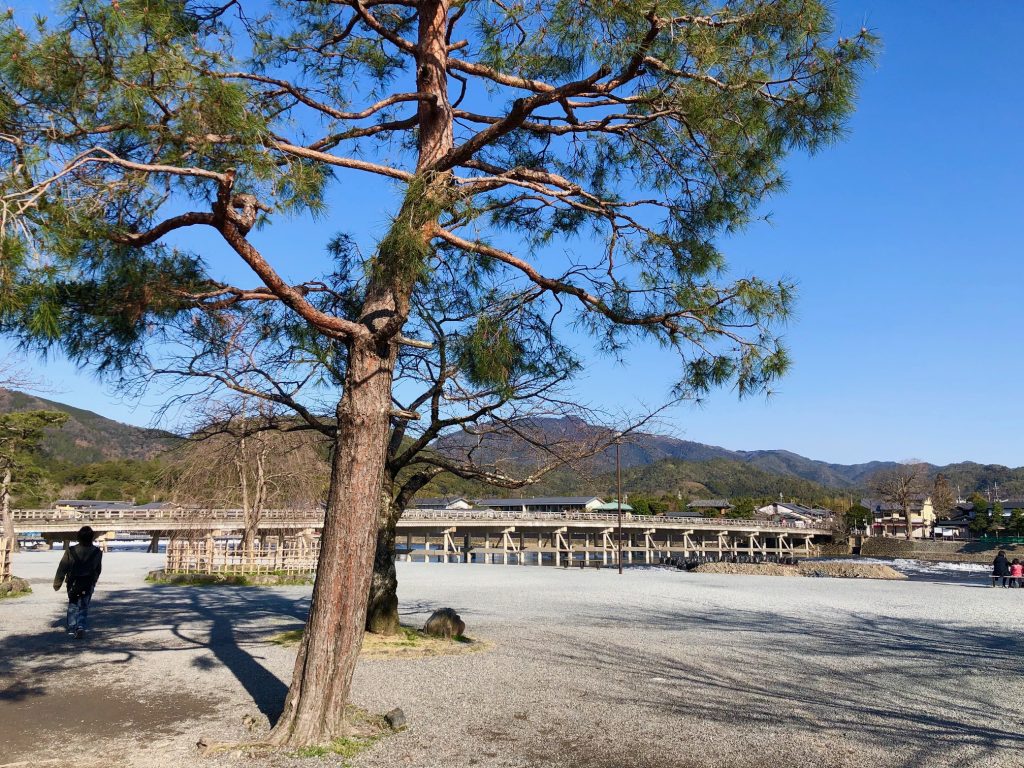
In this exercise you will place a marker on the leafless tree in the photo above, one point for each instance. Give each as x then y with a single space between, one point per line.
241 458
943 498
902 485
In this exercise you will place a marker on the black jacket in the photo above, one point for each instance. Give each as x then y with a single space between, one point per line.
88 562
1000 566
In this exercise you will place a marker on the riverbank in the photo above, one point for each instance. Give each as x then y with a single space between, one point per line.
585 668
938 551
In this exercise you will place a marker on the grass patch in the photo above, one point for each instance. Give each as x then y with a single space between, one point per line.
272 579
365 730
291 637
344 747
407 643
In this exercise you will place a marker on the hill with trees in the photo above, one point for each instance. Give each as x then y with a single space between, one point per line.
96 457
88 437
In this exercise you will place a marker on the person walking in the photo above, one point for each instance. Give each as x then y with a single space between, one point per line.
80 569
1001 568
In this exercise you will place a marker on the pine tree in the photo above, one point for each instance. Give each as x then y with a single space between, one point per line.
581 158
20 436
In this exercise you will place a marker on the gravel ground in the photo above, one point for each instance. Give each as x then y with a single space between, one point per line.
653 668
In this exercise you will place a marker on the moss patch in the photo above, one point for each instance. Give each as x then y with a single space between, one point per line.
407 643
273 579
14 587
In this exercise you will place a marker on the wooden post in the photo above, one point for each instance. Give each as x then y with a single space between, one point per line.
209 554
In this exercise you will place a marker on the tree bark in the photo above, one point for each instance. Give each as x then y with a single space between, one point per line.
382 604
315 707
5 508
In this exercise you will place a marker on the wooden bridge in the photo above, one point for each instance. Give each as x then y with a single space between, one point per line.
487 536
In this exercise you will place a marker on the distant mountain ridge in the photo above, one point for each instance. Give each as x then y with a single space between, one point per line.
88 437
650 461
645 448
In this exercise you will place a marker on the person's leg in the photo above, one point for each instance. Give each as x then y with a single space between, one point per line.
72 622
83 612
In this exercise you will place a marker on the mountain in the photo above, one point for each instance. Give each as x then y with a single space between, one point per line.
652 463
641 449
88 437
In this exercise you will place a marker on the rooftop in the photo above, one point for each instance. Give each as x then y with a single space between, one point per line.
538 501
710 503
92 503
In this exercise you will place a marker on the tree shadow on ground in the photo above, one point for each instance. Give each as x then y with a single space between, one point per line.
926 686
225 621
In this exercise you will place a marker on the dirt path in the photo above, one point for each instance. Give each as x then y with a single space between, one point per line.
645 670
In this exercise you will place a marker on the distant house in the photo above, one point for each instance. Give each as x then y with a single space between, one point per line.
964 513
797 514
684 513
543 504
445 502
710 507
958 527
80 505
889 519
612 507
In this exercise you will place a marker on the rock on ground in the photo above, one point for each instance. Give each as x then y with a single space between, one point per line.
445 622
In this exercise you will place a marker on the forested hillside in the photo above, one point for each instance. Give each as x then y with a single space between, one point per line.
95 457
88 437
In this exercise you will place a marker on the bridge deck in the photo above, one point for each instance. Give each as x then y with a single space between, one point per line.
48 521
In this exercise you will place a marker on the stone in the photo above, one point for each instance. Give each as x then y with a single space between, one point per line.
396 718
444 622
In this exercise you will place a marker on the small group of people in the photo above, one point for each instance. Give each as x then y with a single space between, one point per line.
1012 574
80 570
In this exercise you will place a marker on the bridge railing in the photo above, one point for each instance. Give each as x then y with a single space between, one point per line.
495 514
315 517
176 514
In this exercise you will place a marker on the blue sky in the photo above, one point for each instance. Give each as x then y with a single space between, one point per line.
906 244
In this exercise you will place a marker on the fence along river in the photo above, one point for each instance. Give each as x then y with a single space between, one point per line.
449 536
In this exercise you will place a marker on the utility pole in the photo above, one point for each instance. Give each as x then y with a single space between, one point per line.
618 494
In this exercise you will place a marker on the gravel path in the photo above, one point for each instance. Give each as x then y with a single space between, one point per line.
652 668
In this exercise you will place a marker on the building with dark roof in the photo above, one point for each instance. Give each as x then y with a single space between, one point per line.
707 506
75 505
543 504
889 518
794 513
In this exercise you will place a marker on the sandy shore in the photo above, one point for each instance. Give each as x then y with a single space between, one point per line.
653 668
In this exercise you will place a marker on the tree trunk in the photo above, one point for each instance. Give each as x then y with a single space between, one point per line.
906 514
315 707
5 508
382 605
